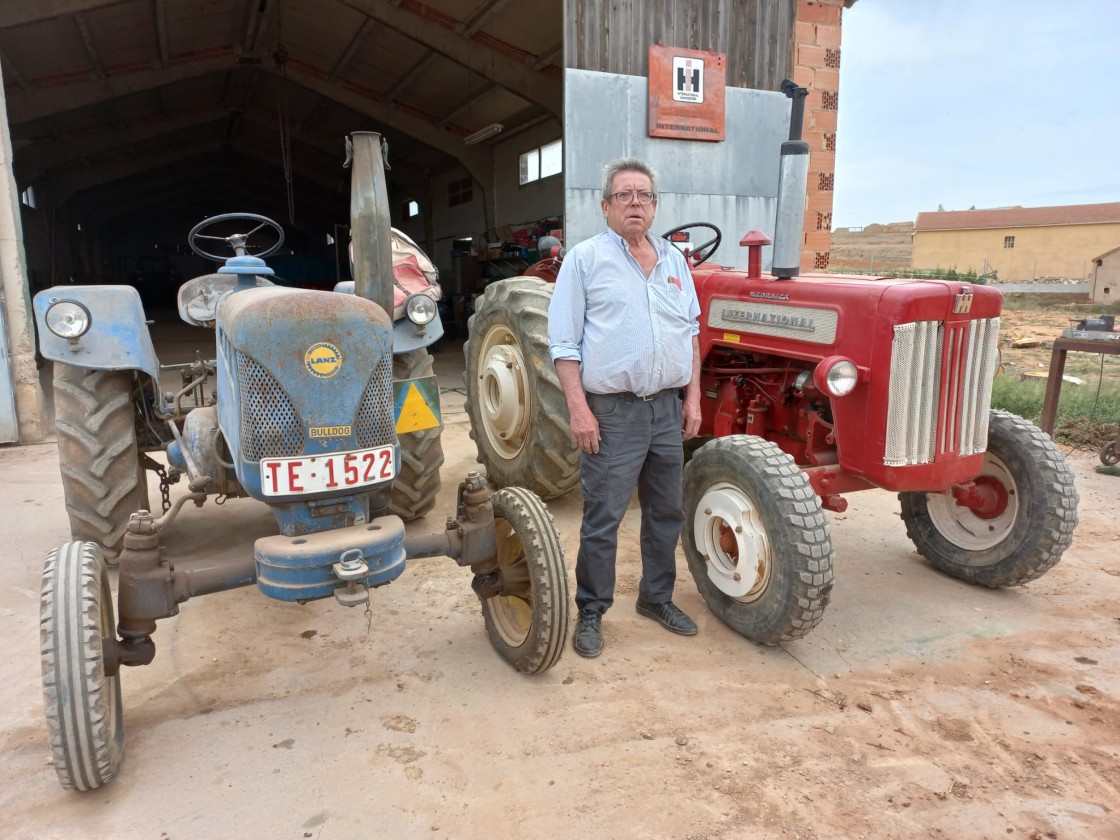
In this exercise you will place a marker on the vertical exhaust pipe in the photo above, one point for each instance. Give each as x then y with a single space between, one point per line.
793 178
369 221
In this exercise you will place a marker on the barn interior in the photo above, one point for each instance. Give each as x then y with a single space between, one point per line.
133 120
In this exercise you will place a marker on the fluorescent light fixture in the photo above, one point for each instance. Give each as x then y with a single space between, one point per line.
483 134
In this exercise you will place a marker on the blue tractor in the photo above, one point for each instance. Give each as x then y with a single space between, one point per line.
298 409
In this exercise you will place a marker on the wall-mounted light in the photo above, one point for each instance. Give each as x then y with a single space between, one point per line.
483 134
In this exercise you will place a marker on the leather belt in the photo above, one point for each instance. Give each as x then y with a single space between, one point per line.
629 395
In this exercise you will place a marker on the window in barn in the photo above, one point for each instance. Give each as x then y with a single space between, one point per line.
1009 242
460 191
542 162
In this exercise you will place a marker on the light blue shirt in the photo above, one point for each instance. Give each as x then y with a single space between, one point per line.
629 332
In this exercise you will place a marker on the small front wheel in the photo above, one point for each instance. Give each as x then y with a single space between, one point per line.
528 621
1110 454
82 701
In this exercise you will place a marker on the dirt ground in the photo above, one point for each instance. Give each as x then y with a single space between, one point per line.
920 707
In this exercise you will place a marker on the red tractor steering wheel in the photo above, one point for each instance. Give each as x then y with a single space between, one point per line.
705 250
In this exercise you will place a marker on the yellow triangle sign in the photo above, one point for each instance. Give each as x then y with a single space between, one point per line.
415 414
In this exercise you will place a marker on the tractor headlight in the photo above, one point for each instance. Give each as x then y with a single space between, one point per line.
68 319
420 309
836 376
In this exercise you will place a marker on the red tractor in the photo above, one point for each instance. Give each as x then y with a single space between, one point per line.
811 387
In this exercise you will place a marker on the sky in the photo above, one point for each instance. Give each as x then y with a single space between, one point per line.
985 103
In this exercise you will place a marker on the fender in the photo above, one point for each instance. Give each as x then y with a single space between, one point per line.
406 335
118 336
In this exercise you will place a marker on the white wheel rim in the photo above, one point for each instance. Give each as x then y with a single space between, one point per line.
963 528
726 511
503 392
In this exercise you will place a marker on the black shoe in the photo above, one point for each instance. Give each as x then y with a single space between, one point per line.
588 638
669 616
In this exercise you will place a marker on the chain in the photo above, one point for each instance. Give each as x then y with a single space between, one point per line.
369 611
165 481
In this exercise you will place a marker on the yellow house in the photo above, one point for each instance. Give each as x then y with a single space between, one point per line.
1019 243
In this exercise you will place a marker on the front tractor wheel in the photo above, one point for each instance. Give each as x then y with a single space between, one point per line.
528 620
81 699
518 413
417 483
756 539
1027 520
102 479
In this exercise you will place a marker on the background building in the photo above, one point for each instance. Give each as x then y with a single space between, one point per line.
1019 243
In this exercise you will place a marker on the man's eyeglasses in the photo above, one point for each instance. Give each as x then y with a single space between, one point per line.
627 197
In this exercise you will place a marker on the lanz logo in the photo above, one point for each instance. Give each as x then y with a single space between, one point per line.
322 360
963 301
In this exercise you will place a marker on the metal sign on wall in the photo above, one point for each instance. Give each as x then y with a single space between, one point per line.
686 93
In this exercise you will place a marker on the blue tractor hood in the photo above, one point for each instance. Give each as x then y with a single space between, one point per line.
304 373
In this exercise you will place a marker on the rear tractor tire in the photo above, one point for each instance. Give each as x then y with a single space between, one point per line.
103 481
417 483
756 539
1031 520
82 702
528 624
519 416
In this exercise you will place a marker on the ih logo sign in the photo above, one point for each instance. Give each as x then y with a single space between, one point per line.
962 303
688 79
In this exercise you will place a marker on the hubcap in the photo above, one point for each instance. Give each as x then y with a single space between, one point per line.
965 528
512 614
503 392
730 533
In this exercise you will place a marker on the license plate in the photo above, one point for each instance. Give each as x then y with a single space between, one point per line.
324 473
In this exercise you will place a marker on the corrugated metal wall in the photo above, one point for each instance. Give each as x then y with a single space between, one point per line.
613 36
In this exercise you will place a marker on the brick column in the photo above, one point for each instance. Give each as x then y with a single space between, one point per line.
816 66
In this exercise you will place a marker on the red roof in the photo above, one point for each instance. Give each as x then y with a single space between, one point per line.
1014 217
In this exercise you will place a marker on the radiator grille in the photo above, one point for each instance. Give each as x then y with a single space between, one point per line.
270 427
940 390
375 424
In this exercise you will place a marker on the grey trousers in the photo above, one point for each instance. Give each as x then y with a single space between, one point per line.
641 444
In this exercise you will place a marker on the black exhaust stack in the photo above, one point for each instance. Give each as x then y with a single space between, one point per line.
793 178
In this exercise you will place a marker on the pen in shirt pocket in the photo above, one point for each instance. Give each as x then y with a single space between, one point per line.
676 282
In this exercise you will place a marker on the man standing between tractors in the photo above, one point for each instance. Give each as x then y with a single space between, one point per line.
622 329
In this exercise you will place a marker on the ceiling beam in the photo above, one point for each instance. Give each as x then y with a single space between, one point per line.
406 79
254 184
43 157
482 17
13 72
352 50
160 15
549 57
67 185
91 48
24 107
260 18
22 12
468 102
515 76
478 162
